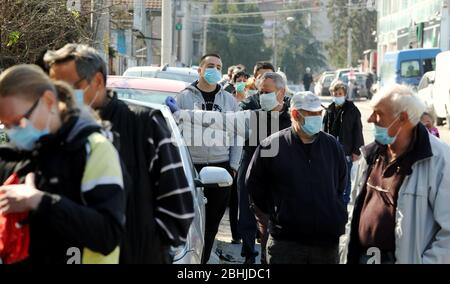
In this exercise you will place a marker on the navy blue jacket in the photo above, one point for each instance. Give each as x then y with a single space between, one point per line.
301 193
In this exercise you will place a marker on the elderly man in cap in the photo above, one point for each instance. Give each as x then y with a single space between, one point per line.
301 187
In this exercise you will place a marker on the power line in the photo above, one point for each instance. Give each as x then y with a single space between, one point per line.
274 13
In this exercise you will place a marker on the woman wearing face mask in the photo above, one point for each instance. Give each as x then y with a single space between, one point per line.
343 121
239 81
69 180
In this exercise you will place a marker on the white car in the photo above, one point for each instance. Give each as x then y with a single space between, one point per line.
425 89
184 74
191 252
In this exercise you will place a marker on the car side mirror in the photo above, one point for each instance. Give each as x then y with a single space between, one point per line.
214 177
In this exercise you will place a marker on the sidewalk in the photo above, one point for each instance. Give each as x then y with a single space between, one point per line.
231 254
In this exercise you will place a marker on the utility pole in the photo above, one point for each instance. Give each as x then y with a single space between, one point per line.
349 37
167 30
274 42
205 34
103 28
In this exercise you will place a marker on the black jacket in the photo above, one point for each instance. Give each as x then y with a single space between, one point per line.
155 221
72 214
301 193
345 124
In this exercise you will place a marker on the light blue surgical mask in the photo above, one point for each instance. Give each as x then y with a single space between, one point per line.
339 100
382 136
79 97
25 137
268 101
312 124
240 87
252 92
212 76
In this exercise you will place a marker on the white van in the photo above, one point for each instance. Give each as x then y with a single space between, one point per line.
441 89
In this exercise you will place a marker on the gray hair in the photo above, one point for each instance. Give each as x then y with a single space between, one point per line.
87 60
402 99
279 81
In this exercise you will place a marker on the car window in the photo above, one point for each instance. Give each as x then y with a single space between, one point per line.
146 96
132 74
148 74
409 69
176 76
429 65
327 81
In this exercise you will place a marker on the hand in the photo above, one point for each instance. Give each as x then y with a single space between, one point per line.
172 104
355 157
19 198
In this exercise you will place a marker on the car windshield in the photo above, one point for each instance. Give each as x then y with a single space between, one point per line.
147 96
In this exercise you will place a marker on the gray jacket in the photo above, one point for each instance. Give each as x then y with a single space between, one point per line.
422 231
191 98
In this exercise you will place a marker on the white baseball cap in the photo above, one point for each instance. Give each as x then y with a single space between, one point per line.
306 101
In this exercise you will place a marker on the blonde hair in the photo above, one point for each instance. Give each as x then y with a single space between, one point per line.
30 82
25 80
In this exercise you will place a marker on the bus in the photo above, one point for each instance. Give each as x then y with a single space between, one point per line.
407 66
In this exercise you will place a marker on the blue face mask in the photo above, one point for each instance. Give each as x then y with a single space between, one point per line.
212 76
339 100
312 124
252 92
382 136
25 137
79 97
240 87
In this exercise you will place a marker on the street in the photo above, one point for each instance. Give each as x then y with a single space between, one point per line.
231 253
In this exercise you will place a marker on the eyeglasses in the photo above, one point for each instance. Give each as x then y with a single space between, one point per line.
26 115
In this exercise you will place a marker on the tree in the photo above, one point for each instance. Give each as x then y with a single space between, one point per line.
298 48
363 23
239 40
29 27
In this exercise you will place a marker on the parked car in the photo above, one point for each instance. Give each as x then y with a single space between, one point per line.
425 89
323 86
184 74
151 90
341 72
360 88
295 88
437 94
212 177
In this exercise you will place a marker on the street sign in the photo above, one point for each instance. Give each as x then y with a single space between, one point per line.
178 26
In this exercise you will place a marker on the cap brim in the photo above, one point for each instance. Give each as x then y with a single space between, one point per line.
313 109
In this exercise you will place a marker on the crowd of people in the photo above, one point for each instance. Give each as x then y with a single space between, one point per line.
83 169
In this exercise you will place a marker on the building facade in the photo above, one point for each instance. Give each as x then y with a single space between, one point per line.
405 24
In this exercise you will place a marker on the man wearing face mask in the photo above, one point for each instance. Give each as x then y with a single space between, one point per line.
343 121
159 208
301 187
274 109
402 189
207 94
252 101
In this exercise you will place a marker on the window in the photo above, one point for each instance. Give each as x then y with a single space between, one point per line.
429 65
410 69
146 96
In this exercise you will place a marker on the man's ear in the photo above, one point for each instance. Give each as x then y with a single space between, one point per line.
404 117
99 81
199 70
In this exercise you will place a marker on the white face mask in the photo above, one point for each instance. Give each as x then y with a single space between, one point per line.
268 101
79 97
